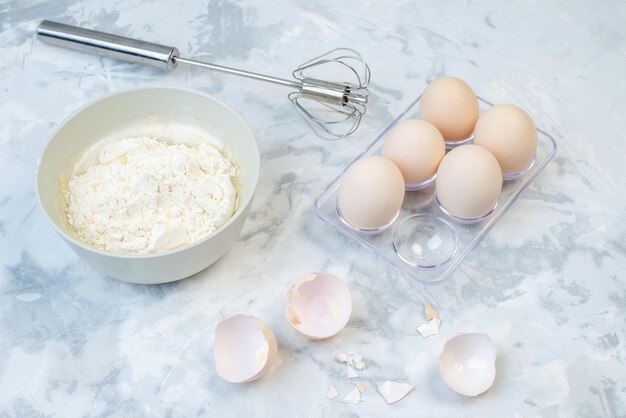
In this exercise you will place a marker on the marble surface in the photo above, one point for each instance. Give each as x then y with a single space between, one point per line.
548 284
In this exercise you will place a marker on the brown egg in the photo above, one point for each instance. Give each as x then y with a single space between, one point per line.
452 106
417 148
370 194
509 133
468 182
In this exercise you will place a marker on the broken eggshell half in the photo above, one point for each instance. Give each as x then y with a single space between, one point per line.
319 305
245 349
467 363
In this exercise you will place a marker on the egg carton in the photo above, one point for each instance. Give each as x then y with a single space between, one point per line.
424 242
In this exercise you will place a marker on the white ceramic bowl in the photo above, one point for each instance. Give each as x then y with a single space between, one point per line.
148 108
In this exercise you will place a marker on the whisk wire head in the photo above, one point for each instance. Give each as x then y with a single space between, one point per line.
332 109
328 121
348 58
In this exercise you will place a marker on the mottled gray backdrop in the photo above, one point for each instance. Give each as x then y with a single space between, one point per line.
548 285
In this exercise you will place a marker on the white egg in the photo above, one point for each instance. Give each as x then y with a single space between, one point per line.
509 133
245 349
370 194
417 148
467 363
319 305
469 182
452 106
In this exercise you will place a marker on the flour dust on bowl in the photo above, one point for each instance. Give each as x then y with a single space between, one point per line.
430 236
150 185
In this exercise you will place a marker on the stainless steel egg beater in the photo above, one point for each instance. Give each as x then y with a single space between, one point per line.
333 109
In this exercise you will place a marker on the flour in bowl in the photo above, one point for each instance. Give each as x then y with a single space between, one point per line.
144 195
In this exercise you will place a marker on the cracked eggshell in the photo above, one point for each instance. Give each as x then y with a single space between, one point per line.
394 391
430 312
319 305
245 349
353 397
352 358
467 363
332 393
351 372
430 328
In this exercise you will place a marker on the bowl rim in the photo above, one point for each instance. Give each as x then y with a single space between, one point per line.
240 210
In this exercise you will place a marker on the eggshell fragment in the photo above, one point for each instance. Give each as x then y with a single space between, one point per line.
469 182
370 194
352 358
452 106
245 349
467 363
353 397
417 148
509 133
394 391
319 305
332 393
429 328
430 312
351 372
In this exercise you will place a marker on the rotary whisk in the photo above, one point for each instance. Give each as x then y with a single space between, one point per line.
333 109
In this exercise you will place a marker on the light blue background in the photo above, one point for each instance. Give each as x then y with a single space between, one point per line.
548 285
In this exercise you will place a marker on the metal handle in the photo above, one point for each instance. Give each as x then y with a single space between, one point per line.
106 44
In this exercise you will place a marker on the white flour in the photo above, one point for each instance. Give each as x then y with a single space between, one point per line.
144 195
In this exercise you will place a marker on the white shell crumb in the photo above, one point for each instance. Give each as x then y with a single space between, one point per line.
332 393
360 387
430 312
352 358
434 242
394 391
429 328
351 372
353 398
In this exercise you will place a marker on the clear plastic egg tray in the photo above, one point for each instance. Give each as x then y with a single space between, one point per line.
424 242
